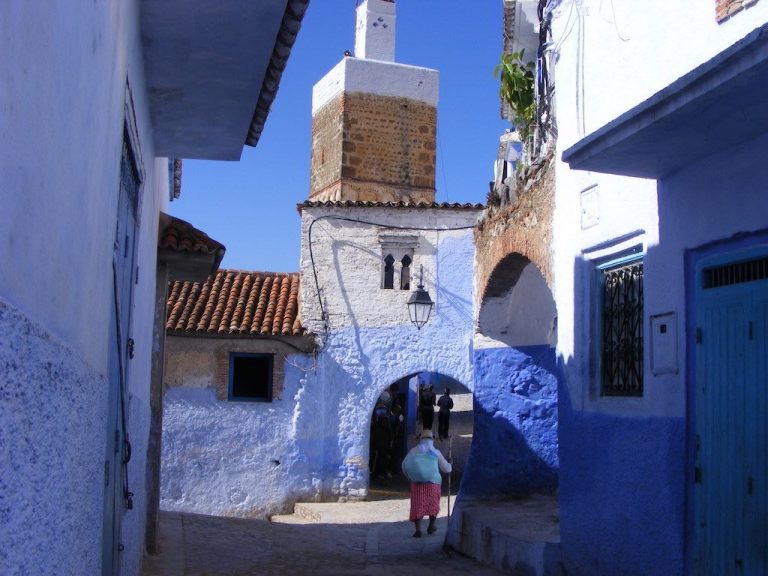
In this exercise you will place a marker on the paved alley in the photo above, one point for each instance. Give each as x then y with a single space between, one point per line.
362 538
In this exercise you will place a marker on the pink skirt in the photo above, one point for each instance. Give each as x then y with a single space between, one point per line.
425 500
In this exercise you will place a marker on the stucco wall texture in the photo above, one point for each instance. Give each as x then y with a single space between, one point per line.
515 443
57 304
311 443
51 458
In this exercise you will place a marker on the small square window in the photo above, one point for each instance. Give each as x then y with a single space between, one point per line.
250 377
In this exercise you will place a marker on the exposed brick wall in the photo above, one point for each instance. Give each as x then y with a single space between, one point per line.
373 148
523 226
724 9
204 362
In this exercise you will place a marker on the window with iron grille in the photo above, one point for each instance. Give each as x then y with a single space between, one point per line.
621 326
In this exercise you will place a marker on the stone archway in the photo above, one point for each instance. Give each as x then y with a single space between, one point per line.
404 392
516 376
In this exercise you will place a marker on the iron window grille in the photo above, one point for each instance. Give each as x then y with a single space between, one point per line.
621 311
130 178
250 377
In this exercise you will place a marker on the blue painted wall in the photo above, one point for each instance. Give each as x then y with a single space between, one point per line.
515 444
621 505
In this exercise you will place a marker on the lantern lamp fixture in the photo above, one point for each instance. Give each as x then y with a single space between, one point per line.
420 304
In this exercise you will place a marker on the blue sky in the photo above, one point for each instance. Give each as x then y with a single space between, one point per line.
250 206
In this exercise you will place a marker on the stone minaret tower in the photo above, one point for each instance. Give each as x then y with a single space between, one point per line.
374 122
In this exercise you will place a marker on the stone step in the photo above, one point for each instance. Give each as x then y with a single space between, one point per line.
520 536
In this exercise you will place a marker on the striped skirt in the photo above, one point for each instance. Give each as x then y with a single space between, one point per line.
425 500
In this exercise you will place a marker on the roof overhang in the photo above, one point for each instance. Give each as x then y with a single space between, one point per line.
189 254
213 69
720 104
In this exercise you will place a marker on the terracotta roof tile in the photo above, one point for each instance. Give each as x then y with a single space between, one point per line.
363 204
234 302
176 234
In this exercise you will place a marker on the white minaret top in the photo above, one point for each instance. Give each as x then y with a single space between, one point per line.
375 33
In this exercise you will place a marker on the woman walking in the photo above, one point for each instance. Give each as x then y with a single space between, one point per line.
422 466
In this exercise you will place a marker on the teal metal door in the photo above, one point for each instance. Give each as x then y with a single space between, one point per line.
731 410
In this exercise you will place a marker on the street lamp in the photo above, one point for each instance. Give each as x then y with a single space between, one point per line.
420 304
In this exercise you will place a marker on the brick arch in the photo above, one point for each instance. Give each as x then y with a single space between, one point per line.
517 232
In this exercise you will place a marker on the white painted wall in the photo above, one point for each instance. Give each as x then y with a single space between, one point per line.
607 62
524 316
348 263
371 342
378 78
614 55
62 98
375 30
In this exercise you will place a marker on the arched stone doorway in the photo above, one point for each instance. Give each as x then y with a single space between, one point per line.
515 448
396 417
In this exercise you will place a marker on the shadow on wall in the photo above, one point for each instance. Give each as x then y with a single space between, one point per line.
515 445
516 379
622 496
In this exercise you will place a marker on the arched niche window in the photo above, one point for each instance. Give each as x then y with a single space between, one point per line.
397 259
405 273
389 272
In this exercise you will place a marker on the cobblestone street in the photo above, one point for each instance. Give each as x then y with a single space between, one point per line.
365 538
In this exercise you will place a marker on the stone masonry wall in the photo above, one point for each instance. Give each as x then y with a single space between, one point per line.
523 225
373 148
327 131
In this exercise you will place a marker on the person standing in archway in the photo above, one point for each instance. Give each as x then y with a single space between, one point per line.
427 407
422 467
445 405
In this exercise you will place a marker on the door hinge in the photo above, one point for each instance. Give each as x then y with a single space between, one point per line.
106 472
751 330
699 336
750 486
137 274
697 475
131 344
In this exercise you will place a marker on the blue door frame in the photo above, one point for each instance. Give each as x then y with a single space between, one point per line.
728 408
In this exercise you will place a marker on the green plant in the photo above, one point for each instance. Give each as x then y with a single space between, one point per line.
517 89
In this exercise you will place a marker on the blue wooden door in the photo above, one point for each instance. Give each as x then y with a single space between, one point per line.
731 408
123 275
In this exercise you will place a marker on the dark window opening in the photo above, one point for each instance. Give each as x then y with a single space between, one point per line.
389 272
622 330
405 273
250 377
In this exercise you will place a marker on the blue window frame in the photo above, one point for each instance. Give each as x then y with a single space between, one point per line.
619 322
250 377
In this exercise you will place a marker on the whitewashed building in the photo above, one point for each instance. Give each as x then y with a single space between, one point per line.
97 99
660 239
370 233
